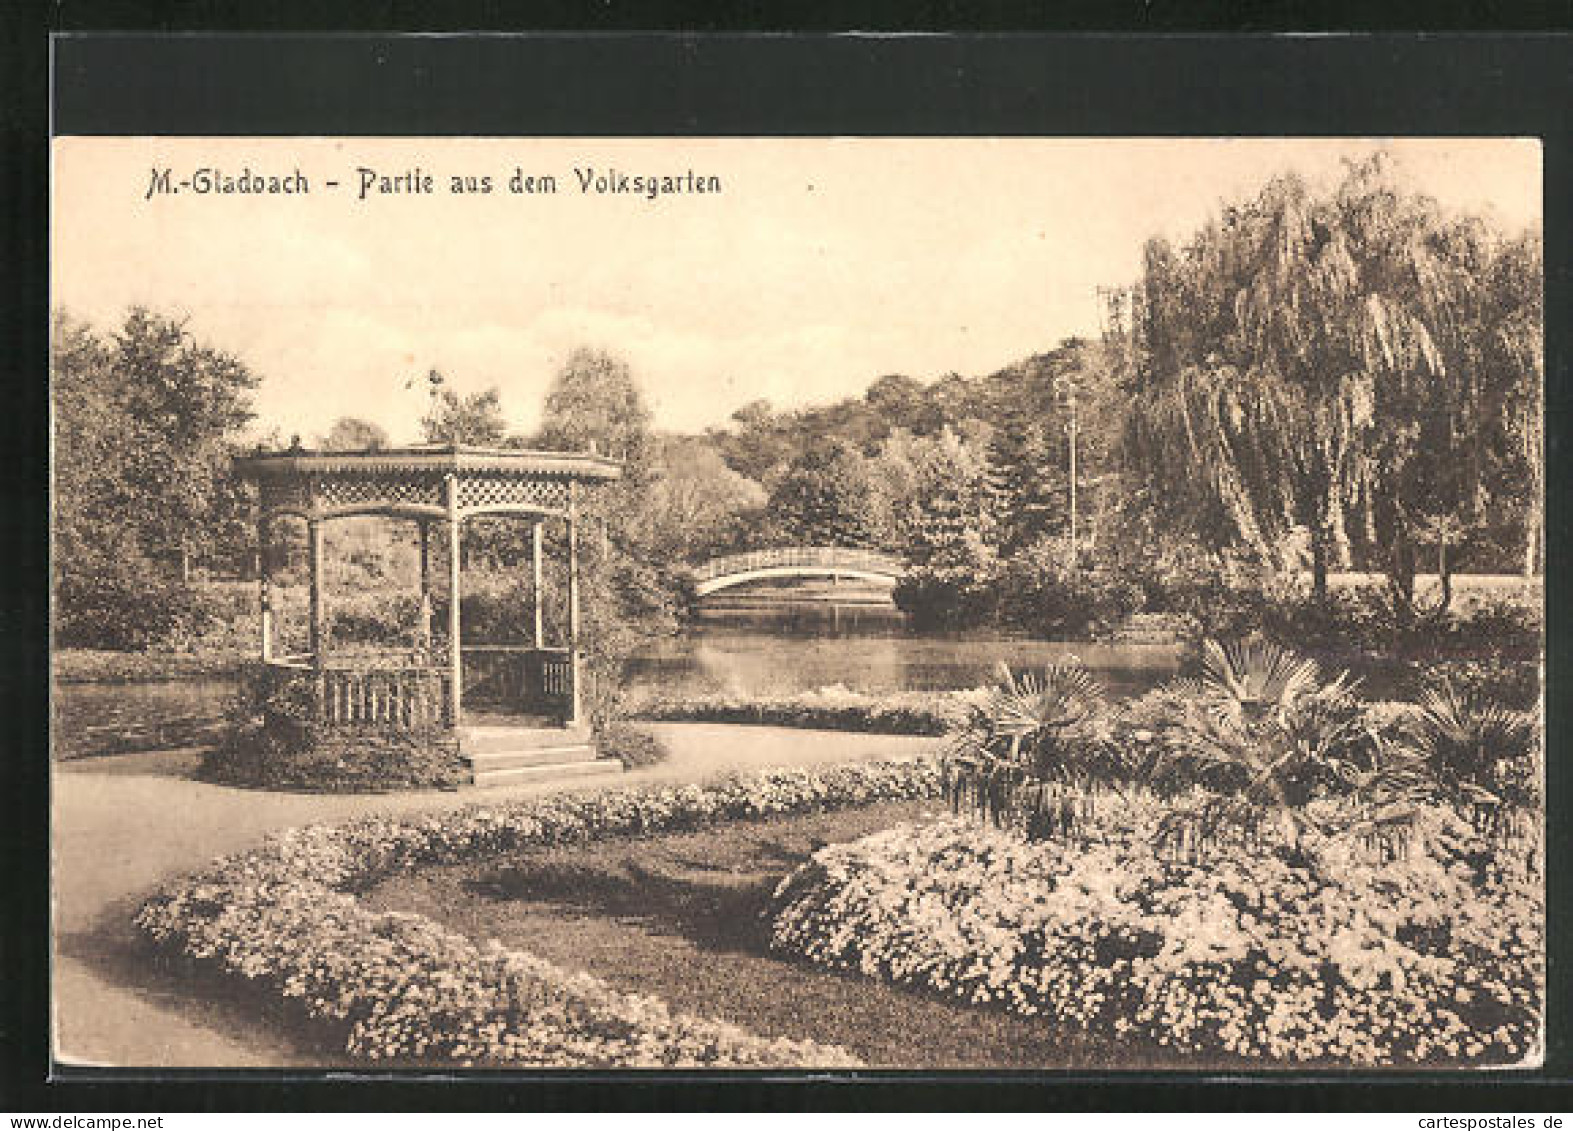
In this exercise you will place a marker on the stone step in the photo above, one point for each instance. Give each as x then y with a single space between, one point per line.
487 739
543 756
523 775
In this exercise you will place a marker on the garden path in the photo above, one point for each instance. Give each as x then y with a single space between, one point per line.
122 824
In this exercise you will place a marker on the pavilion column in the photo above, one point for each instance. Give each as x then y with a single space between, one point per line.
537 575
319 624
455 651
423 637
265 587
573 611
319 633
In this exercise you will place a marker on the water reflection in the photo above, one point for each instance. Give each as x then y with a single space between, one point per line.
753 662
112 718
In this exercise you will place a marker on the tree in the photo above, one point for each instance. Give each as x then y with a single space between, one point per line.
944 519
942 531
352 434
144 431
826 498
902 402
760 442
455 418
1026 481
696 505
1312 361
595 402
631 582
1512 359
91 495
182 401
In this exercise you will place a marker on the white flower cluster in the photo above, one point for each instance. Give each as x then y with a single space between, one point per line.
1435 959
402 988
827 708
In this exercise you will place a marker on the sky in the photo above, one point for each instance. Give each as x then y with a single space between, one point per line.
821 264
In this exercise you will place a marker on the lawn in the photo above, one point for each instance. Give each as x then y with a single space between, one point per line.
678 916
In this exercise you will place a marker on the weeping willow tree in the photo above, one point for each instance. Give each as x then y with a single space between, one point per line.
1341 363
1513 301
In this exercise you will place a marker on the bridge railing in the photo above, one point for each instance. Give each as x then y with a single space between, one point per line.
820 557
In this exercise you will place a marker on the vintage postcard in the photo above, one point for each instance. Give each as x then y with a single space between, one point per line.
798 603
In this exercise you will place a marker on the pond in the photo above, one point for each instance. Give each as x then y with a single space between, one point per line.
754 662
873 655
112 718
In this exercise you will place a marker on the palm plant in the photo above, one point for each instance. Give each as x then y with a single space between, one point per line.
1481 754
1261 734
1034 754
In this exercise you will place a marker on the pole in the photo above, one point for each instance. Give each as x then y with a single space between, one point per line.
1073 478
455 651
537 574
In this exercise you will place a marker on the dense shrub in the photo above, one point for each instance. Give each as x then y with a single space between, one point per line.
399 987
383 618
941 598
273 740
1041 593
828 708
1246 751
126 608
1035 751
364 760
497 609
1433 959
1481 756
1256 739
1512 683
1348 623
1035 591
633 746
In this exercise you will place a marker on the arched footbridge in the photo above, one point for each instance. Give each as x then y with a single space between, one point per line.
734 570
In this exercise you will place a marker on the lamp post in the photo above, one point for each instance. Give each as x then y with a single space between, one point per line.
1067 390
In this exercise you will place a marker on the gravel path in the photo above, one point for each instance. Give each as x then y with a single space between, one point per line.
122 824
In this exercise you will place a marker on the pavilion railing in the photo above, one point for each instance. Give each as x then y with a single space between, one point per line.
399 692
381 692
519 678
399 698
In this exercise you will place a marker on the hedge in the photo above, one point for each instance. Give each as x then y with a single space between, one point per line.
402 988
829 708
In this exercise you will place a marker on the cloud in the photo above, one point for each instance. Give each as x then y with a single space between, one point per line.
825 264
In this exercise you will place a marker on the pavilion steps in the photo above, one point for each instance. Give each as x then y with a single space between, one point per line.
515 755
561 771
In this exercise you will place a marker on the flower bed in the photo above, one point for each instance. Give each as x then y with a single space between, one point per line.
402 988
1434 959
829 708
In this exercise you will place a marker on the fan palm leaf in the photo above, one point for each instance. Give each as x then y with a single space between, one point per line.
1031 753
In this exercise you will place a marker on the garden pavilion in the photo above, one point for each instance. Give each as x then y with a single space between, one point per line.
423 688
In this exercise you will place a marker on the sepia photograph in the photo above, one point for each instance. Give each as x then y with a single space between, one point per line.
798 603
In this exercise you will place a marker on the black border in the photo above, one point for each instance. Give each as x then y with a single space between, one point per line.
683 84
